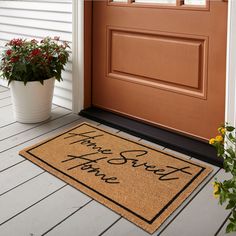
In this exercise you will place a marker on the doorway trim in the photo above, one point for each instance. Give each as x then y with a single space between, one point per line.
78 60
230 99
77 55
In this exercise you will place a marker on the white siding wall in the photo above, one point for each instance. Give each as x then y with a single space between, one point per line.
37 19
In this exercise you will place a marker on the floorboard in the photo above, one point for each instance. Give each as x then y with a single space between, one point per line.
3 89
25 196
6 116
222 229
17 175
10 157
20 138
16 128
33 202
41 217
202 216
90 220
5 102
5 94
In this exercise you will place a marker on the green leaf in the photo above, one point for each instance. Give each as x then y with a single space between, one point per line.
230 205
228 183
232 197
223 197
231 136
230 228
230 128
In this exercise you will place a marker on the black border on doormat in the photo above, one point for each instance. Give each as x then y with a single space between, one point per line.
29 151
189 146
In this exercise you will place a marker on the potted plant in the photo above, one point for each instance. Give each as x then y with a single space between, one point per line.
225 143
31 68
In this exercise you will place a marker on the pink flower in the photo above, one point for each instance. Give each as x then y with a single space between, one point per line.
8 52
35 52
16 42
14 59
56 38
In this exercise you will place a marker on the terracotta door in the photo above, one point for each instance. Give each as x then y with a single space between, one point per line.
161 63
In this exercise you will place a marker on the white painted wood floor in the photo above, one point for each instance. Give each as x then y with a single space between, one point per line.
33 202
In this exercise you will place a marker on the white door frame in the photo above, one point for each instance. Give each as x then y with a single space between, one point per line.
78 60
230 99
77 55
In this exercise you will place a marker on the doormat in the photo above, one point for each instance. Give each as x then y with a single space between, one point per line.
140 183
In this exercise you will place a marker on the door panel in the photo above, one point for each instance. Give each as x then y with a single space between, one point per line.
172 62
161 63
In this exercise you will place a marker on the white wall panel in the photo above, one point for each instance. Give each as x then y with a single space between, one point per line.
38 19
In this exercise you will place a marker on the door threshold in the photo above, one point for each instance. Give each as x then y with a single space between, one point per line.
189 146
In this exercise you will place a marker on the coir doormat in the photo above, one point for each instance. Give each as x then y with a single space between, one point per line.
140 183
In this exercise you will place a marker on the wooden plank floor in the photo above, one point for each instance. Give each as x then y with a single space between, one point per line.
33 202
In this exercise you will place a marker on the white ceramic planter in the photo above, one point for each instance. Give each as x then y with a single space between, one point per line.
32 103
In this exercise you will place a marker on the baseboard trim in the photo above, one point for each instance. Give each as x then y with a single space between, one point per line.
178 142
